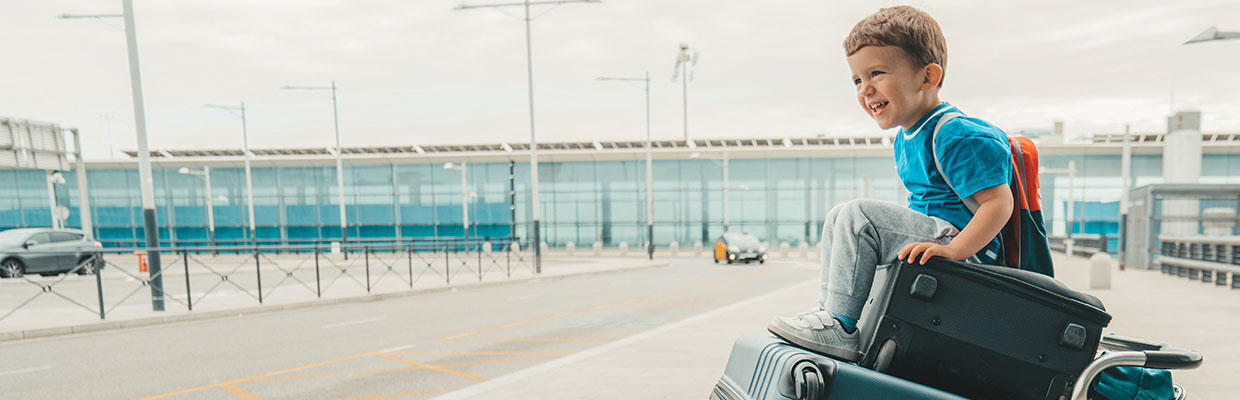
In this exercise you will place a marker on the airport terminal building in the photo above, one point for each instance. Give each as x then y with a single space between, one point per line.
779 189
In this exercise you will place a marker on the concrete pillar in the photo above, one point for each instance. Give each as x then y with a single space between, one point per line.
673 248
624 248
1181 164
803 248
785 250
570 248
1100 271
598 248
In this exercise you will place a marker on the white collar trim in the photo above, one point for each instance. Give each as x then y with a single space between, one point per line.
915 132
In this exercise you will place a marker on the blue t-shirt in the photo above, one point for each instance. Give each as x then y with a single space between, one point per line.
975 156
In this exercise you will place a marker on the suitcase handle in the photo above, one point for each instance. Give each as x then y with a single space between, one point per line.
1162 359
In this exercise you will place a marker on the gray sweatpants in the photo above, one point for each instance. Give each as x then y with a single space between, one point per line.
862 234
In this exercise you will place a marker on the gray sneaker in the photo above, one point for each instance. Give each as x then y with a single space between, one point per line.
820 332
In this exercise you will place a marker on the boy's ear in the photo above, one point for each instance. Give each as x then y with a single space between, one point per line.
932 75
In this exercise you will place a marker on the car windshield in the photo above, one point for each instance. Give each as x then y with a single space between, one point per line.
12 238
746 241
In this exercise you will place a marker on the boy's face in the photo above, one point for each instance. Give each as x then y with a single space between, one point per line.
890 88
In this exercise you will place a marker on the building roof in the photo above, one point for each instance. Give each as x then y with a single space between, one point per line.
819 147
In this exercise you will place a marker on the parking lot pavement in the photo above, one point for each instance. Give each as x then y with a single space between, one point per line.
684 359
229 284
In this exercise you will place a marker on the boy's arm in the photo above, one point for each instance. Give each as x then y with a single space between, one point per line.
993 211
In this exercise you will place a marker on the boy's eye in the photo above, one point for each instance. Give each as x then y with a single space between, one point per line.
857 82
876 73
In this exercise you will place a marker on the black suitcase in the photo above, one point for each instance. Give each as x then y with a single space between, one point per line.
763 367
982 331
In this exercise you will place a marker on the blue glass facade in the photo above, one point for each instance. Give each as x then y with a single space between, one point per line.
784 200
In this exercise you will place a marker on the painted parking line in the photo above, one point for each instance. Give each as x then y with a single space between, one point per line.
351 323
26 370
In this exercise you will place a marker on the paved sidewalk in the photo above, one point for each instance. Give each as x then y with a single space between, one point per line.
683 360
226 285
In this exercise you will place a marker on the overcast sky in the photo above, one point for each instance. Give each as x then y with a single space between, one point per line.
419 72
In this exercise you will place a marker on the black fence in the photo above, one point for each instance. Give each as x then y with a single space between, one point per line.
255 271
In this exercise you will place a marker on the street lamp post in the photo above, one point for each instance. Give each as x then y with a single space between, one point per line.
684 60
723 162
145 179
529 68
1069 243
344 231
205 173
249 180
649 163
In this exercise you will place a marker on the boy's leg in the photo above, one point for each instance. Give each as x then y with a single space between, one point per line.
857 237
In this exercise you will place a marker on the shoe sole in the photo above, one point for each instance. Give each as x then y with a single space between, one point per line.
829 351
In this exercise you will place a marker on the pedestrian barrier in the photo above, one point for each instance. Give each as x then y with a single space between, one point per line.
259 272
1207 259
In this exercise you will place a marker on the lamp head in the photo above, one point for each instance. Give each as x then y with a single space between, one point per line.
448 165
183 170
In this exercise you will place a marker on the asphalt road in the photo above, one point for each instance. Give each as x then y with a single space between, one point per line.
410 347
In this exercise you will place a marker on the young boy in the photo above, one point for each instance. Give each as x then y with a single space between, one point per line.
898 57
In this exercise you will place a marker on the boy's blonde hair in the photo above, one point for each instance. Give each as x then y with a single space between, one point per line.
905 27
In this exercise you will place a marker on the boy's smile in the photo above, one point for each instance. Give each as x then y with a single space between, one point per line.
890 88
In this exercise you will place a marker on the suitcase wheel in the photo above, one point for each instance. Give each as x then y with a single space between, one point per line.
885 354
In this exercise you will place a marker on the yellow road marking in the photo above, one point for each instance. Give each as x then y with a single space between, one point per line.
407 394
254 377
239 392
537 340
435 368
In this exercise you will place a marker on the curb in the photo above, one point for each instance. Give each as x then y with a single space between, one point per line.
239 312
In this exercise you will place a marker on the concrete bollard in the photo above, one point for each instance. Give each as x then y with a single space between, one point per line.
624 248
486 247
514 247
1100 271
544 248
697 248
598 248
335 248
673 248
804 248
570 248
784 250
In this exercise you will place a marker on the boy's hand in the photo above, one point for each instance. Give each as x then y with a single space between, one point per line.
910 252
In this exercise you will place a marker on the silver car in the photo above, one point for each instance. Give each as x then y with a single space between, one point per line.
46 252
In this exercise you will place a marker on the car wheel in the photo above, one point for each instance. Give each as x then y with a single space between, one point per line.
729 261
761 261
12 268
88 266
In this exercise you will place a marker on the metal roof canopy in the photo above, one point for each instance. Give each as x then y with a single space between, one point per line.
32 145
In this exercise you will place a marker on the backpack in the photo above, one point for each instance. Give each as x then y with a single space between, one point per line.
1022 241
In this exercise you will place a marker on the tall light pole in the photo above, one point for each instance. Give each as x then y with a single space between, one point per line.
1070 206
145 179
464 196
344 223
684 61
529 68
249 180
649 173
205 173
723 162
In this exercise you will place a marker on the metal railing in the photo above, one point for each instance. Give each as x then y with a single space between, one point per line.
113 278
1083 244
1208 259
